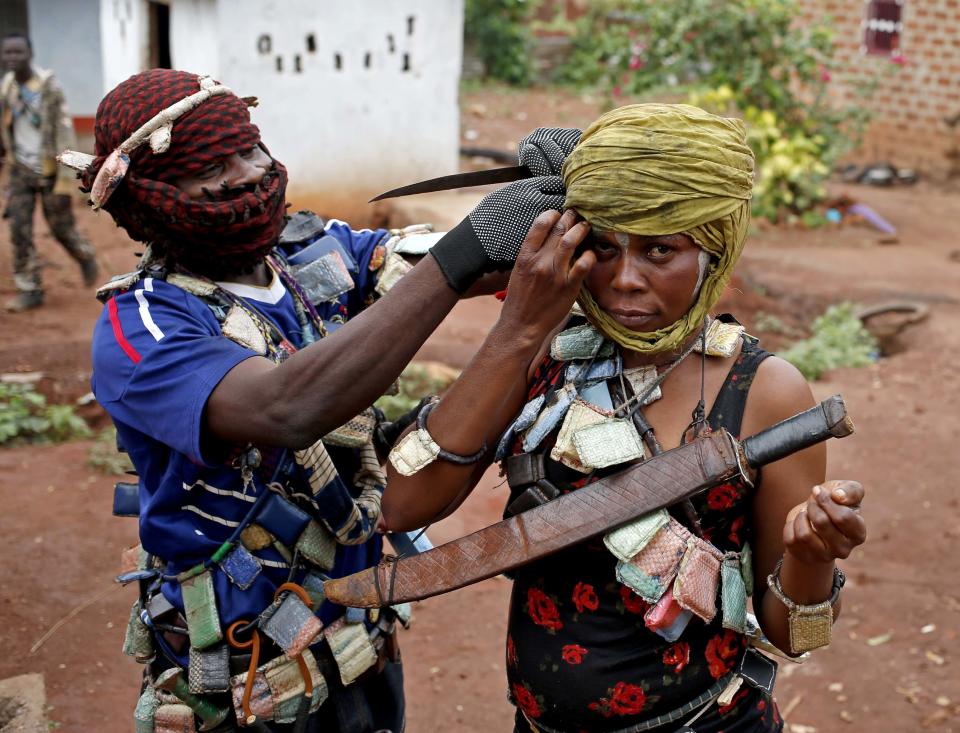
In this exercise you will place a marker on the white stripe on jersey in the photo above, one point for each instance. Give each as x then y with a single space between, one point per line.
271 563
211 517
145 316
219 492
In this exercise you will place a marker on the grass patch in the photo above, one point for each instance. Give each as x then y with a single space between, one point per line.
839 340
26 417
103 455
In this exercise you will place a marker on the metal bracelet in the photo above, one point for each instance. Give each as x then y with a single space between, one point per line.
443 453
810 626
773 583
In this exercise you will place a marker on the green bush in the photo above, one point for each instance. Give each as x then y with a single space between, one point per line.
416 382
497 31
104 456
25 417
751 58
839 340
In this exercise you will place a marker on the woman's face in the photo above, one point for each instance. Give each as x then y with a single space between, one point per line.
644 282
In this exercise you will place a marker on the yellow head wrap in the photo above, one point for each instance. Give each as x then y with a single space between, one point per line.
664 169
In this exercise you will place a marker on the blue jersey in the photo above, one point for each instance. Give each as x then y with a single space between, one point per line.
158 353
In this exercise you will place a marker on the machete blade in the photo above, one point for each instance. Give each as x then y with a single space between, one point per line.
459 180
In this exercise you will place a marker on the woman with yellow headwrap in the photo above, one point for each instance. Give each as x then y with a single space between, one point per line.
648 629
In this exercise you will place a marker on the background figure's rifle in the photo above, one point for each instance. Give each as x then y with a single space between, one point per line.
665 479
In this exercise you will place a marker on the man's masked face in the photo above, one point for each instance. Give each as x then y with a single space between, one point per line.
228 173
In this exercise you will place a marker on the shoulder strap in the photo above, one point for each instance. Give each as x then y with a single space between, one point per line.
728 408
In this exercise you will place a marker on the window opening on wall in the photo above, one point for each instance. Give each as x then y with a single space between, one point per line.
158 29
264 44
297 65
406 62
311 43
410 21
391 44
337 61
882 26
367 58
13 16
279 62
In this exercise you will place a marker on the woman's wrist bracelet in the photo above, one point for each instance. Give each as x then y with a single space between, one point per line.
417 449
811 626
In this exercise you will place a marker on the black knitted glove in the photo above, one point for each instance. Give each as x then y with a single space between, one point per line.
490 237
544 150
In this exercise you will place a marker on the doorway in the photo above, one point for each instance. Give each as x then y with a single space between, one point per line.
159 35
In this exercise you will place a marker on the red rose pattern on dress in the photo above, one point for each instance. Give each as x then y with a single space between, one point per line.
526 701
627 699
573 653
725 709
624 699
722 652
677 657
632 603
722 497
543 611
734 534
511 652
585 598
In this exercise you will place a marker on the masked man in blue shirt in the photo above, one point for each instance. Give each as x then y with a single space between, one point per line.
239 363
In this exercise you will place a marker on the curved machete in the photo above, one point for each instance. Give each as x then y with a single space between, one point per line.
595 509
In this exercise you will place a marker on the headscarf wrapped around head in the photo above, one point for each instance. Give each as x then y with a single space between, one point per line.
653 169
238 227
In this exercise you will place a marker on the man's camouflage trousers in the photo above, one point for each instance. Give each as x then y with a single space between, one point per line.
25 186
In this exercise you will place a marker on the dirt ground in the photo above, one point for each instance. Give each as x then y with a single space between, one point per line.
893 665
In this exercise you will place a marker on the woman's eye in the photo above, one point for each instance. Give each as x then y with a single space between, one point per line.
602 247
658 251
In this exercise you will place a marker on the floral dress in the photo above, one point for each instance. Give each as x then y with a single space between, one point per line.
579 657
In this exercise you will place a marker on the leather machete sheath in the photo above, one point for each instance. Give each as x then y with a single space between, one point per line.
592 510
663 480
459 180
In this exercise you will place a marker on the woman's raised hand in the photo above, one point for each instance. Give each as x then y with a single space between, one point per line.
548 273
828 525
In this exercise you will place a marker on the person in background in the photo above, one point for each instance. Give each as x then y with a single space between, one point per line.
34 127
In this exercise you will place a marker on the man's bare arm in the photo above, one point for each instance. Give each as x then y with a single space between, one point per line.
319 388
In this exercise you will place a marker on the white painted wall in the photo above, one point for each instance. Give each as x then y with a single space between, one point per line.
195 37
360 129
387 116
123 35
66 38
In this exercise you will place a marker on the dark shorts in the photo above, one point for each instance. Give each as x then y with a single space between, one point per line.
371 704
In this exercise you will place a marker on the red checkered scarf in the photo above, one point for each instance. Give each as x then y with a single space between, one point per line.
240 226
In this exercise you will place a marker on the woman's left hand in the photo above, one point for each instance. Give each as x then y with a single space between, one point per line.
828 525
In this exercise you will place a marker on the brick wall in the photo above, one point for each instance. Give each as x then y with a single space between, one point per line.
910 106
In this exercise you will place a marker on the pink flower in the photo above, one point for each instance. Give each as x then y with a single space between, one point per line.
899 59
824 73
635 63
617 92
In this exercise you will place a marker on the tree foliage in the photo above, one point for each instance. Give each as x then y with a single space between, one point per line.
497 31
751 58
